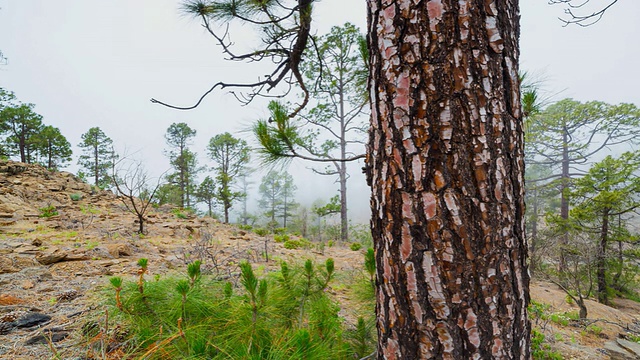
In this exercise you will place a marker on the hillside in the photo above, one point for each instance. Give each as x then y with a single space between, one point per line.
52 267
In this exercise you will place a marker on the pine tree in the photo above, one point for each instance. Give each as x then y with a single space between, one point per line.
98 156
22 125
230 156
54 150
179 136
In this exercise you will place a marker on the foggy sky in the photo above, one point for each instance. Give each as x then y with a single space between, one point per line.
97 63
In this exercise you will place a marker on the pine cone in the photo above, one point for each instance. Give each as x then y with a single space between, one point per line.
68 295
11 316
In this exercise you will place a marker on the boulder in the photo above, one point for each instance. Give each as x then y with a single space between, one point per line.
630 346
52 258
6 265
118 250
616 352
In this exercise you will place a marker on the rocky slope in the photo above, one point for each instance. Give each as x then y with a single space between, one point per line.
51 268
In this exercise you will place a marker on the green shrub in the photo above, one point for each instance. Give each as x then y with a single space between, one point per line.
285 315
292 244
181 215
245 227
538 310
280 231
355 246
564 318
634 338
261 231
281 238
297 243
48 211
594 329
540 350
75 197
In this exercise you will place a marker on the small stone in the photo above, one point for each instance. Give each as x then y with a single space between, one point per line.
27 284
53 335
32 319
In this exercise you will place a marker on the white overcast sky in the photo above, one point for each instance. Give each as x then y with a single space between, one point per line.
93 63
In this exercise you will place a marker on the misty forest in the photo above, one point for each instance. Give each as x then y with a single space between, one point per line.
503 223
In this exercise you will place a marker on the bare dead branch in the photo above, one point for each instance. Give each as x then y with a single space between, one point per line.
581 20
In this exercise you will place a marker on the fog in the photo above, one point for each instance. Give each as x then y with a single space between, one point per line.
87 63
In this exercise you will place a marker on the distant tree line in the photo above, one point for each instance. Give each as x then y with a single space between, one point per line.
582 195
27 138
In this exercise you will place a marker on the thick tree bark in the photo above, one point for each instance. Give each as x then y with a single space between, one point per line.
445 161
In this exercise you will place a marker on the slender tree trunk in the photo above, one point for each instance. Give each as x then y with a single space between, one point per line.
342 171
564 201
616 278
22 146
182 192
534 231
273 206
245 190
583 308
601 259
50 156
95 155
344 219
445 161
284 214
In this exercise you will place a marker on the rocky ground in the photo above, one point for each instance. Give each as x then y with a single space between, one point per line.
51 269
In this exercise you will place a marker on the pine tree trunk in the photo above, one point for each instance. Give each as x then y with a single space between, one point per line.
96 167
22 146
564 201
445 162
601 259
534 233
344 219
616 278
49 156
342 167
